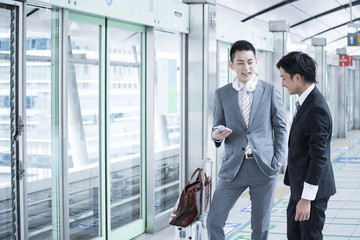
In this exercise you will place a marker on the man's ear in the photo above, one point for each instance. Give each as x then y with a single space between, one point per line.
298 78
231 65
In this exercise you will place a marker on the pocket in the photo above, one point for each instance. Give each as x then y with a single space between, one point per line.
227 154
228 151
275 163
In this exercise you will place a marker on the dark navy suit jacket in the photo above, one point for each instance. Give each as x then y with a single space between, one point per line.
309 148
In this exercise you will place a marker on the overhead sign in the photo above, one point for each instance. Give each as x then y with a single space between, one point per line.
353 39
345 60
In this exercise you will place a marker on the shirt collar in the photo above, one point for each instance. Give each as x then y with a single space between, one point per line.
305 94
250 85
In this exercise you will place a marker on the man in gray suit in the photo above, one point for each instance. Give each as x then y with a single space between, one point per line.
249 119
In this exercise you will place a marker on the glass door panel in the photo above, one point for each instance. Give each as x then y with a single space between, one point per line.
5 132
224 73
124 126
83 129
167 119
40 156
224 76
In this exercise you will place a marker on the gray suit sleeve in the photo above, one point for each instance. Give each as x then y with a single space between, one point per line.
218 116
278 125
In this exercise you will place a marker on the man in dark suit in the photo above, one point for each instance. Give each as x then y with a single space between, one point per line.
309 171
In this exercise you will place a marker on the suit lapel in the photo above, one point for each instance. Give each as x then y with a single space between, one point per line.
303 107
256 99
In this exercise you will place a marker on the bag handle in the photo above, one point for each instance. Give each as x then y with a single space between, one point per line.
199 170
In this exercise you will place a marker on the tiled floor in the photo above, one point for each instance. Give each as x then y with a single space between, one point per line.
342 215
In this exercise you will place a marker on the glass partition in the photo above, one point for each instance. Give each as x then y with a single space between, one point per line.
41 159
83 129
124 127
225 74
167 135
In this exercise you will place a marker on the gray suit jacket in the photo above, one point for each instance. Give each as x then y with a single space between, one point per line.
266 132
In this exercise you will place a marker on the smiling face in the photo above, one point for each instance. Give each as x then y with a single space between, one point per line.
244 65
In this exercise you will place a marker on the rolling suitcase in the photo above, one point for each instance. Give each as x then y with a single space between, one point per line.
197 229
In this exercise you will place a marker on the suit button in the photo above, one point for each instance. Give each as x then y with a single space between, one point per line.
243 149
248 133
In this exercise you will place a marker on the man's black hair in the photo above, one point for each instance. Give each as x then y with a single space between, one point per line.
241 45
299 63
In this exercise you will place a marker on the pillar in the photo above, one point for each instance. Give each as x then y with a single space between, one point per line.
319 44
200 83
342 75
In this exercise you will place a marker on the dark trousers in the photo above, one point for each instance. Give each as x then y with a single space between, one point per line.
306 230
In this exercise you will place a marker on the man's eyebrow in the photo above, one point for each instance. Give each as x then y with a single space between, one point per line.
240 60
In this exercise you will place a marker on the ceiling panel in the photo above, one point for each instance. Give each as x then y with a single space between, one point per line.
343 1
353 50
330 35
343 31
309 28
286 12
332 46
314 7
335 19
248 7
298 11
355 11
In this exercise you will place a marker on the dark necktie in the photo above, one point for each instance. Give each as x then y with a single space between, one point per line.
297 105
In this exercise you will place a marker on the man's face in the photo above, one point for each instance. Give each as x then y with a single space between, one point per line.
288 82
244 65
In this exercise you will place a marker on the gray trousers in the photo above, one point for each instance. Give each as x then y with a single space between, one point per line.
261 189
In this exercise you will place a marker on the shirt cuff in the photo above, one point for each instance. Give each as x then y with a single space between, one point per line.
218 141
309 191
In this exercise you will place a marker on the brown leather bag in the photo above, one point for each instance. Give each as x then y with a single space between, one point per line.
188 205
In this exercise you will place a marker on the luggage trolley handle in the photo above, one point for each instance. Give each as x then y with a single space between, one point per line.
203 210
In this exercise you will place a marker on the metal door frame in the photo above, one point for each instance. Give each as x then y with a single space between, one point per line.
17 114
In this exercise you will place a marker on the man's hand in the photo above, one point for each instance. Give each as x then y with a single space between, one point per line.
221 133
303 210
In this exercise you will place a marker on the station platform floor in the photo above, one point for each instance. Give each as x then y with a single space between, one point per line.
342 215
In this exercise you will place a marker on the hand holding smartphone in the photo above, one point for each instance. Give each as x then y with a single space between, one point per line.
221 128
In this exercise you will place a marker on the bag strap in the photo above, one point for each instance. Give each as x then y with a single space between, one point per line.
198 170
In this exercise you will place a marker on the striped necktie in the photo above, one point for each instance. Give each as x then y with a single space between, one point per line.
246 108
297 105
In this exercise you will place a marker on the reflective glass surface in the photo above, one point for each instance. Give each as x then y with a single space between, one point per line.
223 62
167 120
125 126
83 129
40 158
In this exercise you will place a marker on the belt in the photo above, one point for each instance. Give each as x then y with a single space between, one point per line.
247 156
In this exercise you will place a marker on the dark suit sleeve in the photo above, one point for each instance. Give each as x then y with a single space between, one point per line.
278 124
318 133
218 115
